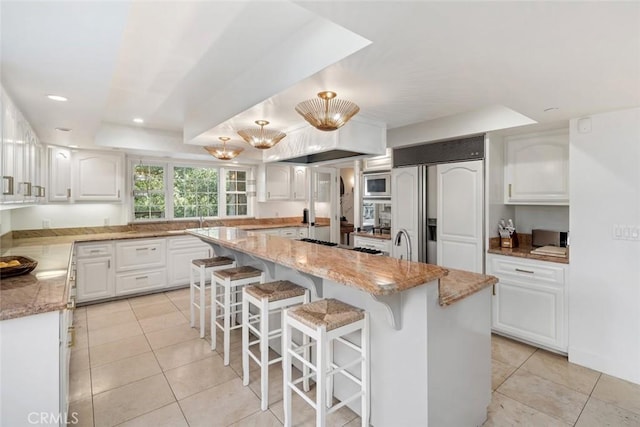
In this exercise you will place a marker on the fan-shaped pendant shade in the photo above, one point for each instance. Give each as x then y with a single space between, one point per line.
223 153
261 138
327 113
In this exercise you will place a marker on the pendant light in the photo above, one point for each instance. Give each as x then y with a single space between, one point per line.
327 113
223 153
261 138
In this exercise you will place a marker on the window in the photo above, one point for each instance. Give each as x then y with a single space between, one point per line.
236 192
195 192
171 191
148 192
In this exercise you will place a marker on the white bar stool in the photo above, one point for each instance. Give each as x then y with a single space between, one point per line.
203 267
268 298
230 282
326 321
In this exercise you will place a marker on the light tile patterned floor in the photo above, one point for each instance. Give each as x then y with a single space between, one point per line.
138 363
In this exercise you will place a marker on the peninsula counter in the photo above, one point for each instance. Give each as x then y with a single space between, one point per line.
430 326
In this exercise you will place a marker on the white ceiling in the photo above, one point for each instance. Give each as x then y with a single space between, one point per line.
198 70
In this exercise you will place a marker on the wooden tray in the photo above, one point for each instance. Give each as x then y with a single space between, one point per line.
26 266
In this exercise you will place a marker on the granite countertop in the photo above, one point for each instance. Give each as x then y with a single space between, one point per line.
377 275
523 251
372 236
44 289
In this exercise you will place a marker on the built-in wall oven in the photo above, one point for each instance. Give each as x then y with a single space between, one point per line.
377 185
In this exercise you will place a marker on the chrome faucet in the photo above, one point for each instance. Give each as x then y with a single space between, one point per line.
201 220
407 239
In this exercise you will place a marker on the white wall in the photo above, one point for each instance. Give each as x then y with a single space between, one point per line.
554 218
604 292
279 209
68 215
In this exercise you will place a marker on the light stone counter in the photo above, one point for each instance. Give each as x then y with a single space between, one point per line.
430 328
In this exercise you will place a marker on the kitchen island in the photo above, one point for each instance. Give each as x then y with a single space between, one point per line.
430 327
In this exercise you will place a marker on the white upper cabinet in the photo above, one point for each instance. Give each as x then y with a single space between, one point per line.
97 176
281 182
299 183
84 176
278 182
537 168
59 174
404 205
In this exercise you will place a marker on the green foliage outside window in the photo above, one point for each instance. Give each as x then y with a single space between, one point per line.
195 192
236 196
148 192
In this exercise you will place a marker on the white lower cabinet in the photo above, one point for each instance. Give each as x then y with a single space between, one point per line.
35 364
530 301
134 266
181 251
95 271
372 243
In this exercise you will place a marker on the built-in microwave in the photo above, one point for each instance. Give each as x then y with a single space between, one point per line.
377 185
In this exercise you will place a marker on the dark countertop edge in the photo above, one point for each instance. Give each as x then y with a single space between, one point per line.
523 253
371 235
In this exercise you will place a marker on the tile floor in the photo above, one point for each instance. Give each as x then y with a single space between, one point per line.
138 363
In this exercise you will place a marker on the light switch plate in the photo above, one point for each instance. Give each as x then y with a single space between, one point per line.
626 232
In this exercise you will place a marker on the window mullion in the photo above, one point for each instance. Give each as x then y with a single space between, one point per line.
222 192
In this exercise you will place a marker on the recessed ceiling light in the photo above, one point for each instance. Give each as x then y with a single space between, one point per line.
138 120
63 129
57 98
73 146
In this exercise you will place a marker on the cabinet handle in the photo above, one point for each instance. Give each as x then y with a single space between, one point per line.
142 277
142 249
95 251
509 190
494 289
72 331
524 271
118 194
27 192
68 193
9 190
268 194
294 194
38 191
109 263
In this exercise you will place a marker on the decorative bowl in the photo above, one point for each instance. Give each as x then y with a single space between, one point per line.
26 265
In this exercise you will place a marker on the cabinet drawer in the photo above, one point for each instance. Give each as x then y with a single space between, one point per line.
303 232
93 250
138 254
186 242
129 283
527 272
290 233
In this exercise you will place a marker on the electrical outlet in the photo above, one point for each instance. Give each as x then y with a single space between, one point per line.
46 223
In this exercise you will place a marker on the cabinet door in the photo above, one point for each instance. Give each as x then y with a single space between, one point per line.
97 177
59 174
532 313
537 170
377 163
278 182
404 208
460 213
299 183
180 263
95 278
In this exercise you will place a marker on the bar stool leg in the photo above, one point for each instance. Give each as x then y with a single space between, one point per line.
214 311
306 352
245 342
329 377
202 303
366 400
192 297
264 352
321 365
227 319
286 368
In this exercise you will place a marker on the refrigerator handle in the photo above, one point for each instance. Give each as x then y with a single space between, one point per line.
422 213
